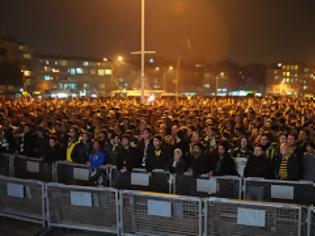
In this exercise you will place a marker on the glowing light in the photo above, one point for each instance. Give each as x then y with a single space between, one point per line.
171 68
120 58
151 98
157 68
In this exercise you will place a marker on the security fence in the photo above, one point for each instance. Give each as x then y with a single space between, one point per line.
22 199
238 218
159 214
32 168
311 219
223 186
82 208
298 192
6 164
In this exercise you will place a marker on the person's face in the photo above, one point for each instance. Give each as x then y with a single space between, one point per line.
156 143
177 155
195 137
27 129
309 149
174 130
85 137
96 145
244 143
52 142
125 142
221 150
264 140
258 151
283 139
196 150
291 140
284 149
72 133
146 134
302 135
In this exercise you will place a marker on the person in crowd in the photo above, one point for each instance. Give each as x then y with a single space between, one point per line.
158 155
270 151
27 141
54 152
74 153
97 157
243 150
41 143
144 146
127 156
83 148
288 165
257 165
293 146
309 162
221 163
178 163
198 163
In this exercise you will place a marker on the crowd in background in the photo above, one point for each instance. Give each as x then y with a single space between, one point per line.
270 137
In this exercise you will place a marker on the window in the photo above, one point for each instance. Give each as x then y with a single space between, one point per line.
63 62
101 72
86 63
48 77
79 71
108 72
72 71
27 56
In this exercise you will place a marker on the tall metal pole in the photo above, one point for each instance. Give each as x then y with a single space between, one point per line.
142 48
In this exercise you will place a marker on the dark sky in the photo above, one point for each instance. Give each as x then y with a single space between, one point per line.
198 30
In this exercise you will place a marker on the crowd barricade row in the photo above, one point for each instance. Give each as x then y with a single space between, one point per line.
297 192
6 164
32 168
22 199
82 208
144 213
77 174
311 222
220 186
238 218
139 179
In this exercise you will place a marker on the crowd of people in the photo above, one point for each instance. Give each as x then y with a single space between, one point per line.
271 137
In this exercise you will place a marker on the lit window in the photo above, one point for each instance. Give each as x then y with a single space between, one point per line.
72 71
304 87
102 86
27 73
207 85
55 70
27 56
86 63
63 62
288 80
296 67
101 72
93 71
47 68
284 74
48 77
79 71
108 72
288 73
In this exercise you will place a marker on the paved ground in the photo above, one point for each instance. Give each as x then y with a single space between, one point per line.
10 227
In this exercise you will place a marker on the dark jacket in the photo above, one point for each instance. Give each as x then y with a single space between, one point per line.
27 145
179 168
200 165
157 159
54 154
80 154
128 158
294 167
226 167
258 167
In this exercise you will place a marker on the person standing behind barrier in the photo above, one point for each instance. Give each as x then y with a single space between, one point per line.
55 151
270 151
73 141
145 145
287 164
221 163
257 165
27 141
178 163
198 163
309 162
82 149
158 155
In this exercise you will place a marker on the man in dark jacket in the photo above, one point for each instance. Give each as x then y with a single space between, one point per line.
221 163
27 142
158 155
288 166
127 157
55 151
198 162
257 165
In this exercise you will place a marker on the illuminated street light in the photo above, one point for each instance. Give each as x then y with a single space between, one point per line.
105 59
120 58
157 68
171 68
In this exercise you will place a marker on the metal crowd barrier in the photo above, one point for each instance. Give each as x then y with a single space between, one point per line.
32 168
138 179
298 192
143 213
76 174
82 208
22 199
6 164
311 222
238 218
220 186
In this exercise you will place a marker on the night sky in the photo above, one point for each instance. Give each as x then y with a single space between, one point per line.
243 31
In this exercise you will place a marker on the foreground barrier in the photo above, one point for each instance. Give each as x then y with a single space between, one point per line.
158 214
32 168
223 186
298 192
138 179
82 208
22 199
238 218
6 164
311 220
